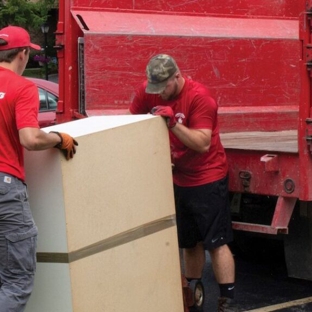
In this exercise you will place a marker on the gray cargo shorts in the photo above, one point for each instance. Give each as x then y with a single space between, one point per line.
18 242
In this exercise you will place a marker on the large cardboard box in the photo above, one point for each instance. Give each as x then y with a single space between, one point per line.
107 235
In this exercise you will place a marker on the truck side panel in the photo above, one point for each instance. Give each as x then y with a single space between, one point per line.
248 65
277 8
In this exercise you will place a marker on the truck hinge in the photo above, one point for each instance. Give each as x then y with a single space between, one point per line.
59 47
308 46
309 58
309 133
59 35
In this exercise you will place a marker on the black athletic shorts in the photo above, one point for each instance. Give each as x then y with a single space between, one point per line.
203 215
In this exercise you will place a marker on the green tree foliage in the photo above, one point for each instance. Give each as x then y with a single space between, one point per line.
25 13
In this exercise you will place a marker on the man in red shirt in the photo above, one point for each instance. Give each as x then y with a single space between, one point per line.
19 129
199 170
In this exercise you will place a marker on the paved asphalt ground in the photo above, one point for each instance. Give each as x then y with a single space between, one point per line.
261 286
53 77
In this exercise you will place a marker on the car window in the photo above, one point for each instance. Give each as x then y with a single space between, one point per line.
48 101
52 101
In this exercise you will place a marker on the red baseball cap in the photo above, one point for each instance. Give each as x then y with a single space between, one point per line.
16 37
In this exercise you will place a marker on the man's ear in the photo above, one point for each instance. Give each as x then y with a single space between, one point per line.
22 54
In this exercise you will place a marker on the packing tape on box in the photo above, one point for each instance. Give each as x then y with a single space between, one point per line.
109 243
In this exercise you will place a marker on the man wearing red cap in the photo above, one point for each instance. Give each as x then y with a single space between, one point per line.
199 170
19 129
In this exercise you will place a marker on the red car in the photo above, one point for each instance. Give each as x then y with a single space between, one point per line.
48 92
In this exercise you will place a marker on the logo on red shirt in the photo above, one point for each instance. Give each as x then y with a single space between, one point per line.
180 117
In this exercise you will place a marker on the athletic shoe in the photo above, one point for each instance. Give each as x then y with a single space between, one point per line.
227 305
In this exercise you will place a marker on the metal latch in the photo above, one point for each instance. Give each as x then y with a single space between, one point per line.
245 176
271 163
309 57
309 133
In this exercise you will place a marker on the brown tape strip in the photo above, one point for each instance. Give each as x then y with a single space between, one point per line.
52 257
108 243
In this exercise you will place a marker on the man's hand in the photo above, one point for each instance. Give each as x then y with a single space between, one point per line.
67 144
167 113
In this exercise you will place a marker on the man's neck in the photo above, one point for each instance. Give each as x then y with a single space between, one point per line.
181 84
9 66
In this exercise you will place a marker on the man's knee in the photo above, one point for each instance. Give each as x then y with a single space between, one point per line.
18 269
220 250
15 291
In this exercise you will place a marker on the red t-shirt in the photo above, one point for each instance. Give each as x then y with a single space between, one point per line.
195 109
19 105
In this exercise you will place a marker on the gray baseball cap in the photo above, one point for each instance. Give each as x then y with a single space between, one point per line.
158 70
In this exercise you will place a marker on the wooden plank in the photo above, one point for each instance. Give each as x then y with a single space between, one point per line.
278 141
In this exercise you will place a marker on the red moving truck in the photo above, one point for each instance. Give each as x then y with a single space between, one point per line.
256 58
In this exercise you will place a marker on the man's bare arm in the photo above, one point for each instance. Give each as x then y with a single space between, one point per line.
34 139
196 139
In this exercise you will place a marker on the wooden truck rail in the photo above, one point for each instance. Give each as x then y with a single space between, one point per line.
279 141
